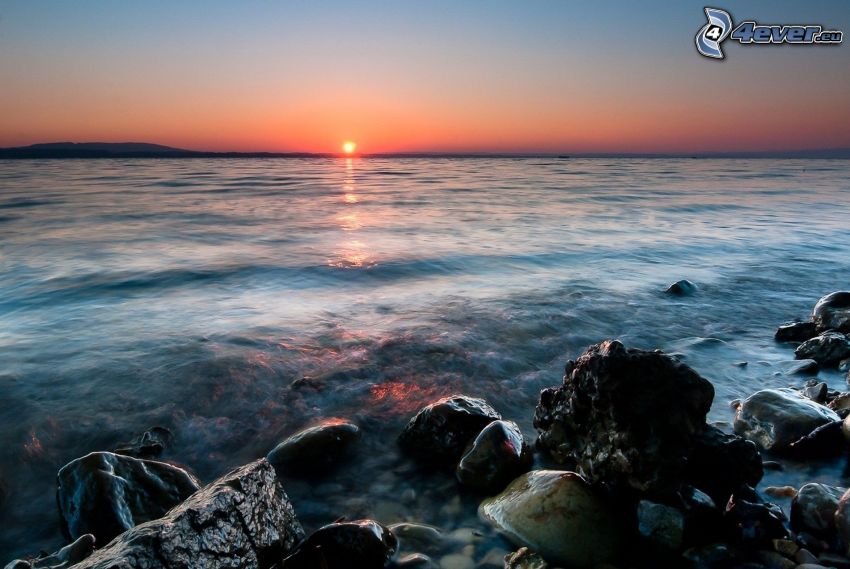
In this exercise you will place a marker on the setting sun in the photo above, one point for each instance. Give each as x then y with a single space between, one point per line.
349 147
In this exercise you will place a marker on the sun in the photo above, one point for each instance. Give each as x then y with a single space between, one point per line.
348 147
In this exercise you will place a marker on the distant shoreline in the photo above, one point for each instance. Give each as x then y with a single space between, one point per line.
68 150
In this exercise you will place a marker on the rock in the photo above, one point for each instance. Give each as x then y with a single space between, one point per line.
840 402
785 547
315 449
780 491
834 561
711 555
720 463
557 514
243 519
774 560
775 418
106 494
796 332
842 521
802 367
68 556
496 456
415 560
828 349
813 510
523 558
361 544
817 392
754 524
804 556
456 561
662 525
683 287
418 537
824 442
832 312
442 430
628 418
149 444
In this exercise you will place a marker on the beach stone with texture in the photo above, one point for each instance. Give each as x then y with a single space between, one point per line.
315 449
442 430
775 418
796 332
496 456
105 494
557 514
361 544
629 418
813 509
828 349
832 312
244 519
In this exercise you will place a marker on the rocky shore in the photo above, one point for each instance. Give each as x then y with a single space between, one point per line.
625 472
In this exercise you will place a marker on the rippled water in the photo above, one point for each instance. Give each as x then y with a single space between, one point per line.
234 301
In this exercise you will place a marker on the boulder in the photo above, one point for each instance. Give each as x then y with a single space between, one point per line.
244 519
361 544
813 510
683 287
824 442
775 418
496 456
755 524
832 312
315 449
68 556
720 463
796 332
827 349
105 494
661 525
442 430
627 417
557 514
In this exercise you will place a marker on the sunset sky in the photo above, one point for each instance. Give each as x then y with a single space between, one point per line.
400 76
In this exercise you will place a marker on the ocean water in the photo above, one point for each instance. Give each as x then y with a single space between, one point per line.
236 301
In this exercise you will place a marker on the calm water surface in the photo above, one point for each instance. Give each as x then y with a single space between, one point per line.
235 301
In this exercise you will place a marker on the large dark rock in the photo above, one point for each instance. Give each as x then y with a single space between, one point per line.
813 510
496 456
629 418
315 449
796 332
243 519
720 463
828 349
361 544
683 287
105 494
832 312
442 430
68 556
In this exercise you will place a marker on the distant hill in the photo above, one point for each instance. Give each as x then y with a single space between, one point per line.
147 150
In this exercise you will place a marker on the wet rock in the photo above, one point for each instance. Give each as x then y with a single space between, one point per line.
415 561
442 430
496 456
840 402
315 449
824 442
683 287
524 558
105 494
68 556
828 349
780 491
842 521
721 463
796 332
361 544
802 367
418 537
149 444
243 519
661 525
774 560
557 514
832 312
817 392
813 510
775 418
753 523
629 418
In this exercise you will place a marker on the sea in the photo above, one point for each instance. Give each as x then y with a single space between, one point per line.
236 301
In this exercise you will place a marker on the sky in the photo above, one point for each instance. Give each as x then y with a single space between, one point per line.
417 76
